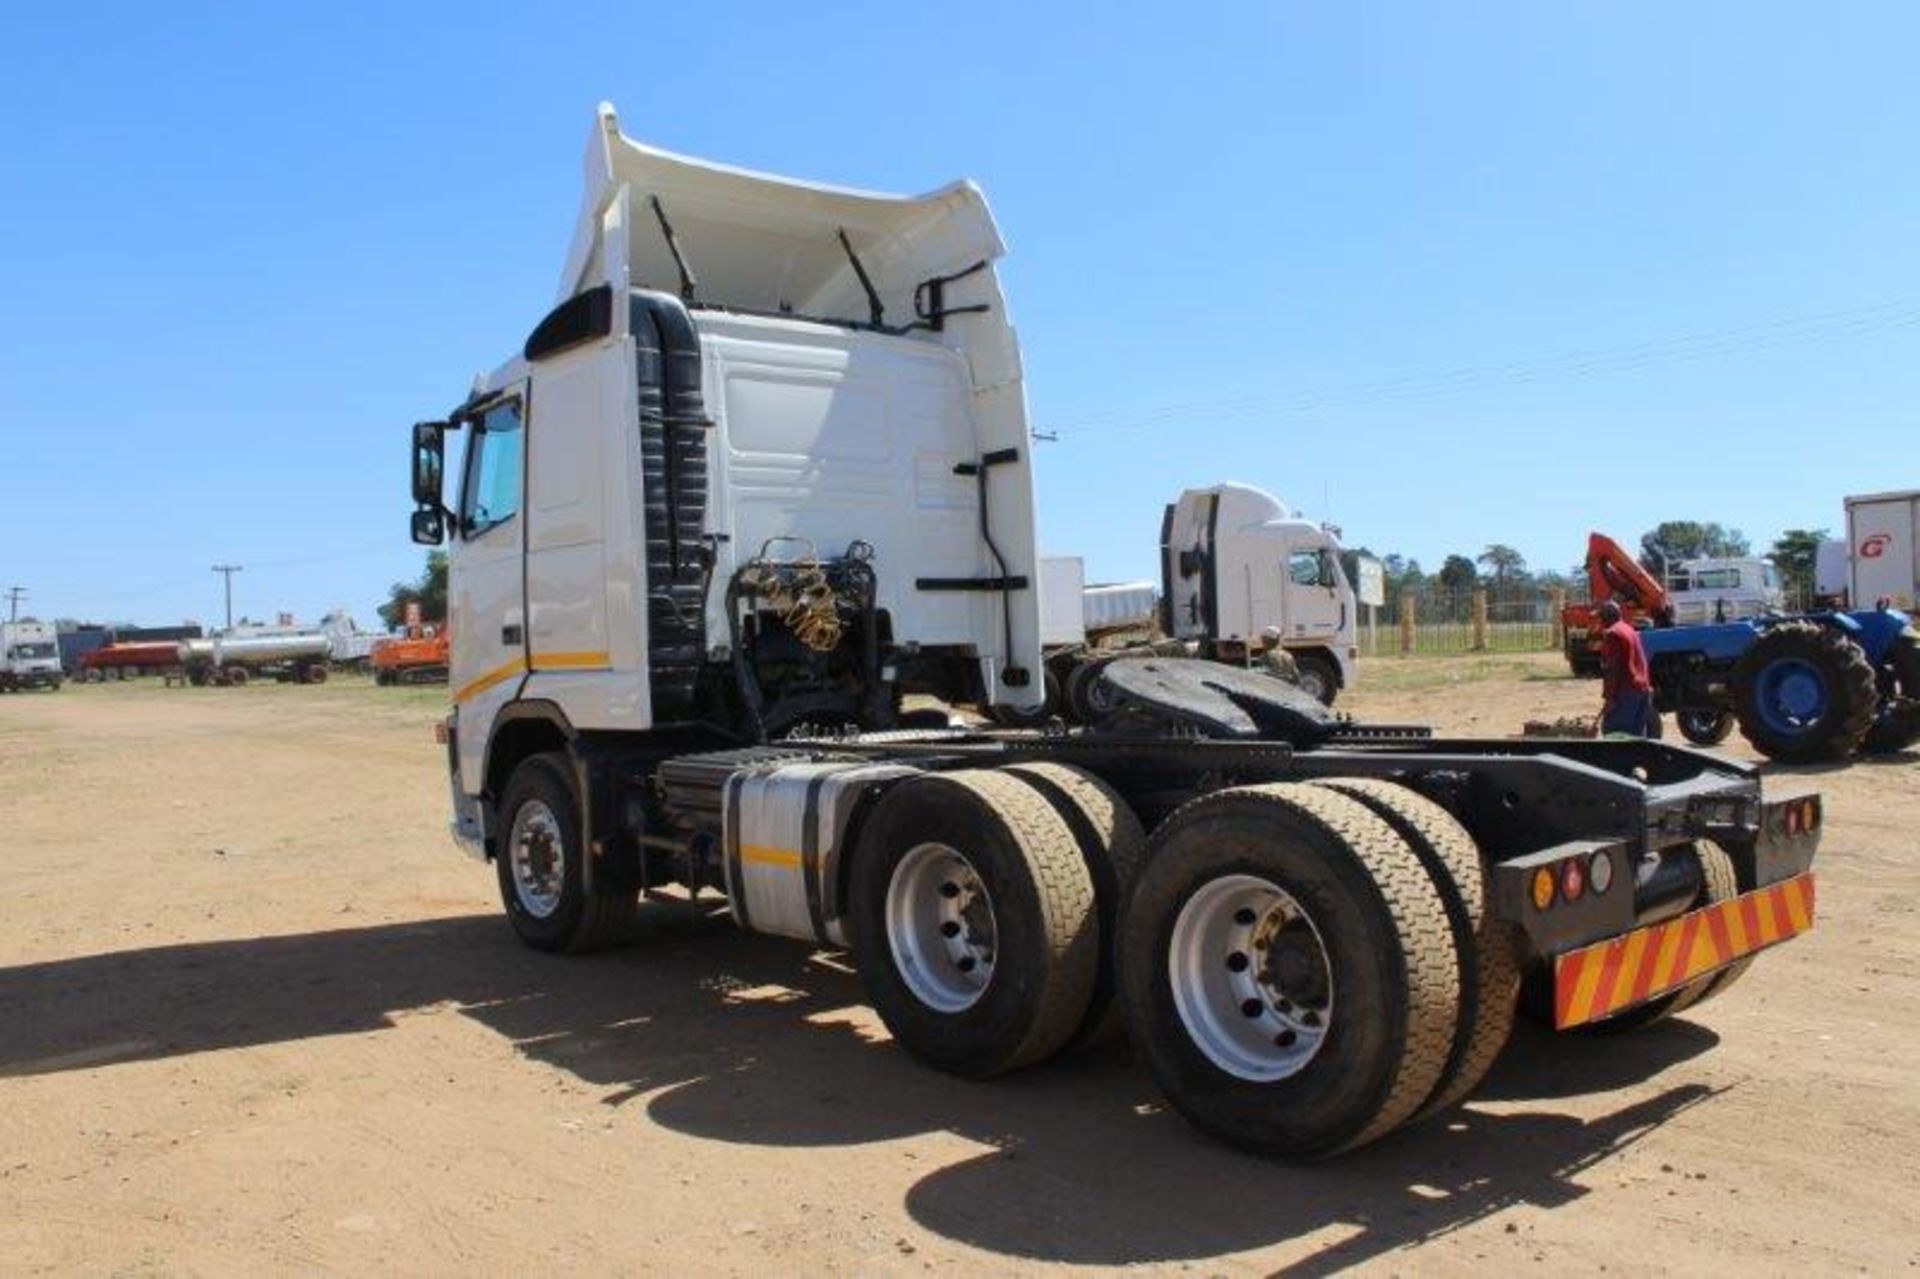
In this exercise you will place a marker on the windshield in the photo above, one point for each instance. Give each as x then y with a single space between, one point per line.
25 652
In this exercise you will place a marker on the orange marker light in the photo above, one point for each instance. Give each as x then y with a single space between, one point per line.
1542 888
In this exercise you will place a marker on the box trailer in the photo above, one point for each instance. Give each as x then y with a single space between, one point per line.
1883 538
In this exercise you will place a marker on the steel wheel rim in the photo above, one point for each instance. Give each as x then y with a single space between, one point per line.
537 857
1793 695
941 928
1251 978
1313 683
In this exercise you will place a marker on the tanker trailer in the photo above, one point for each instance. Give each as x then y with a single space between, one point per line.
235 659
117 661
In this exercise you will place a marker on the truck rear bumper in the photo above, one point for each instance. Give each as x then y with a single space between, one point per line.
1608 977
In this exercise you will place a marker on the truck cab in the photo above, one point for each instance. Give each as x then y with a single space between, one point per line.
1242 573
29 656
765 463
1724 590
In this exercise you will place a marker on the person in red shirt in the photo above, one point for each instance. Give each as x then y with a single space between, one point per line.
1625 687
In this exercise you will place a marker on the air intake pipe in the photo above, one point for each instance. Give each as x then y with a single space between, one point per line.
677 347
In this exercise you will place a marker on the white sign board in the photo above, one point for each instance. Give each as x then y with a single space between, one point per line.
1372 586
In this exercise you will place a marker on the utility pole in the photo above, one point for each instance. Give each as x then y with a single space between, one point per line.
13 602
228 570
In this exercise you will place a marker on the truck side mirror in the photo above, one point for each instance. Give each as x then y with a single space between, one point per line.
429 463
429 527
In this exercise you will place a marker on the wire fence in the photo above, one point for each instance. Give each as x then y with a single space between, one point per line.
1429 622
1524 618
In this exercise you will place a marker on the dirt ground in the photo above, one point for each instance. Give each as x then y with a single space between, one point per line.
257 1015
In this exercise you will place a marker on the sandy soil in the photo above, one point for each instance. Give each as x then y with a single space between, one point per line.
257 1015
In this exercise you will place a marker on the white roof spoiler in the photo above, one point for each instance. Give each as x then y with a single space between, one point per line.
755 242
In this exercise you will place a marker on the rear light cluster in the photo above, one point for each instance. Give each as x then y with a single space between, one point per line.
1803 816
1571 879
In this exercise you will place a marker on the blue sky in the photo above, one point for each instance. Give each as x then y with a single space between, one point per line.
1448 274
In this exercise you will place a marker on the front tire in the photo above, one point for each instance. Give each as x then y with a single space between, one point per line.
973 921
1705 728
1289 970
539 863
1318 675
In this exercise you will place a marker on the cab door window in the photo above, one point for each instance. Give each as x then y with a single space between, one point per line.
1310 568
490 493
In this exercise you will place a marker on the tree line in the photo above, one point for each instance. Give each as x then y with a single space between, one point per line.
1505 574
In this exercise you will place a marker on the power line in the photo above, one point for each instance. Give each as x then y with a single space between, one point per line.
1819 326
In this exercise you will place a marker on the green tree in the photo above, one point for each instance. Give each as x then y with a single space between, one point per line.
1458 573
1794 554
1671 541
1506 564
429 590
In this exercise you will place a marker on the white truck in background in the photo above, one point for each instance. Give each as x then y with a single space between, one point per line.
763 471
29 656
1705 591
1242 573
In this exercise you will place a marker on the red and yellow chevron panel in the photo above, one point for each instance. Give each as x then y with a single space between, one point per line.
1599 980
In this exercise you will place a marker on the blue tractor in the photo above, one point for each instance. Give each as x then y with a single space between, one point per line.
1818 686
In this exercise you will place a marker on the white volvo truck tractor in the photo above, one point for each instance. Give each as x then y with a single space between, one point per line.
764 472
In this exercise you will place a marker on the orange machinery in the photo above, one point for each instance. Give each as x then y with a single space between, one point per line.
1612 574
419 657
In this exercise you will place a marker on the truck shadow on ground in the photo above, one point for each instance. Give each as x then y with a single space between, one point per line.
754 1041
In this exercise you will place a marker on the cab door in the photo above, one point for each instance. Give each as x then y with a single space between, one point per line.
486 579
1314 607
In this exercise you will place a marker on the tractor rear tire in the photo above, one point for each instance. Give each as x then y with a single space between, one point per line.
1289 970
1898 724
1114 846
959 872
1805 693
1705 728
1485 946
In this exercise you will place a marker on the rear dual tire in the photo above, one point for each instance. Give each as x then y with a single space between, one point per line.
974 922
1291 973
1486 948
